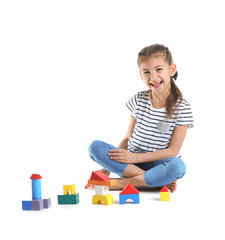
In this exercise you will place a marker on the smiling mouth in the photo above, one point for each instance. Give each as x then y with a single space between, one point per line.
156 85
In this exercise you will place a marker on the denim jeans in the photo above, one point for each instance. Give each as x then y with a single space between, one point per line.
158 173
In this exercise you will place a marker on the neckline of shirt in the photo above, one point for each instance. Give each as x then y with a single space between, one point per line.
156 109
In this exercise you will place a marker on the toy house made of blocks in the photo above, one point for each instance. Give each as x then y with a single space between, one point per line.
165 194
102 183
37 202
69 195
129 192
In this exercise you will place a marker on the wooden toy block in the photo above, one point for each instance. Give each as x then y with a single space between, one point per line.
102 199
68 199
101 190
99 176
165 194
69 189
36 186
47 203
129 189
37 204
26 205
124 197
36 176
102 183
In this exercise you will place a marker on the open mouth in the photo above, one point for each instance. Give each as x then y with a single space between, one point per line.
156 84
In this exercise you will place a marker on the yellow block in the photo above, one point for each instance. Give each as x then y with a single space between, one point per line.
69 189
164 196
102 199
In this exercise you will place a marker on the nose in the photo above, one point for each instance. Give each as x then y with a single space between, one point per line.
153 75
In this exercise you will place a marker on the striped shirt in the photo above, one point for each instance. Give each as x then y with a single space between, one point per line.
153 131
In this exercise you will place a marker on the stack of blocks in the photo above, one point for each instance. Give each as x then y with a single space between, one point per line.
37 202
102 183
129 192
165 194
69 195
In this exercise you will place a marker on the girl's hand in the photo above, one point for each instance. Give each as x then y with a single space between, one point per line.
122 155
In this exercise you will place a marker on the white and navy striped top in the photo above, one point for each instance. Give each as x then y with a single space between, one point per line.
153 131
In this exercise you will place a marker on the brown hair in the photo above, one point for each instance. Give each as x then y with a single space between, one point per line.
175 95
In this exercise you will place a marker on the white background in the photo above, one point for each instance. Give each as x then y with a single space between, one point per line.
66 70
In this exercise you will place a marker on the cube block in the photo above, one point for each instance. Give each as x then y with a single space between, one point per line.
47 203
26 205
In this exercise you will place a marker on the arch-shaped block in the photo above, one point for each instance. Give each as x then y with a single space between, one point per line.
69 189
102 199
125 197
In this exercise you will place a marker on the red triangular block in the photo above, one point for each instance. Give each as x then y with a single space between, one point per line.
129 189
99 176
164 189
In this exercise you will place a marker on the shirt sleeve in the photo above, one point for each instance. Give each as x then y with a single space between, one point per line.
185 116
132 105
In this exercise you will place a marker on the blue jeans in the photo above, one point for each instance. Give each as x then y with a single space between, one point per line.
157 174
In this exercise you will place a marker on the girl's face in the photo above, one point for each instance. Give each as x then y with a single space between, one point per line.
156 73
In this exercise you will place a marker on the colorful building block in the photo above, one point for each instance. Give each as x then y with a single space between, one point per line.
70 196
129 192
36 186
165 194
26 205
102 199
124 197
129 189
69 189
68 199
37 203
99 176
101 190
47 203
102 183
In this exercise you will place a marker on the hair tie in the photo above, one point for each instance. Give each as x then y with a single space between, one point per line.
175 75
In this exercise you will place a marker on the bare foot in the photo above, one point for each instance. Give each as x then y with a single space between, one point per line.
106 172
173 186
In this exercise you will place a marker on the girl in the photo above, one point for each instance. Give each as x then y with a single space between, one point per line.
148 156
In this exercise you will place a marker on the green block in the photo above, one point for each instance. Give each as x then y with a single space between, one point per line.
68 199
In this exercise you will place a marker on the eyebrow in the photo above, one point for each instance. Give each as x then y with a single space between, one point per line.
146 69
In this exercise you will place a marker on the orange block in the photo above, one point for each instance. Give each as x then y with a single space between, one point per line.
102 183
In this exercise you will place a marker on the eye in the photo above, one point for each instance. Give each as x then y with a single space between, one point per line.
146 72
159 69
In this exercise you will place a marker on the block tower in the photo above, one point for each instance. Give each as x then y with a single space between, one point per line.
69 195
37 202
102 183
129 192
165 194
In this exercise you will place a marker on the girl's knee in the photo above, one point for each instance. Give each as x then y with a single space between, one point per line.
177 167
94 146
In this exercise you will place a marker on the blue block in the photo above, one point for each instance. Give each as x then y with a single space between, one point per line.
26 205
36 189
125 197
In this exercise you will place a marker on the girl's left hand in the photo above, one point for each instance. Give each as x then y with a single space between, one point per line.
122 155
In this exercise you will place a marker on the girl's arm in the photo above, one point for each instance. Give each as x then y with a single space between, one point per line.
173 149
124 143
176 141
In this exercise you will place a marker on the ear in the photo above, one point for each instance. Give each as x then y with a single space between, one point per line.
173 69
